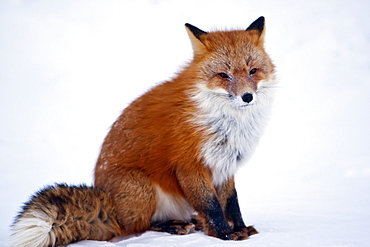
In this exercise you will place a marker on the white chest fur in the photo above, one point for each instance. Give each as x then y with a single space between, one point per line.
234 130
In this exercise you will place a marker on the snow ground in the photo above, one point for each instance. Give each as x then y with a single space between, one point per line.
67 69
278 228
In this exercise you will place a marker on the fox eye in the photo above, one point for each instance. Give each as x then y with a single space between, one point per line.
253 71
224 75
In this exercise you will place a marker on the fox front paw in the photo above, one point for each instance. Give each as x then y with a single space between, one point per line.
243 233
239 234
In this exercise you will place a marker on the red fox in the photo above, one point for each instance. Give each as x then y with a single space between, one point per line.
168 162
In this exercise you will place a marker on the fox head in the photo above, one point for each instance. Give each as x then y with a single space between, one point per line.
232 64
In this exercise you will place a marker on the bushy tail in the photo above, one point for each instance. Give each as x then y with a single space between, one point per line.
61 214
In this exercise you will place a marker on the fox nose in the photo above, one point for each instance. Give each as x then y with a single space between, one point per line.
247 97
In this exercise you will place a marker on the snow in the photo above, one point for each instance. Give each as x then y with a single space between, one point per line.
68 68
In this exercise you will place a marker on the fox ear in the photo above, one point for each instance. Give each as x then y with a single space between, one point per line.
195 35
258 24
259 27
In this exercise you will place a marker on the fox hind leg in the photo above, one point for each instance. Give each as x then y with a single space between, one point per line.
134 198
177 227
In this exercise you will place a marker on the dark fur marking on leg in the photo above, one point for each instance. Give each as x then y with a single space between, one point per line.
233 214
215 218
232 211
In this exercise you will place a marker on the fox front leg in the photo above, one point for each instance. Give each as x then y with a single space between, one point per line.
230 204
201 195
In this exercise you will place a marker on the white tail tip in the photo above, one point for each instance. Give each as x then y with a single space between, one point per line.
31 232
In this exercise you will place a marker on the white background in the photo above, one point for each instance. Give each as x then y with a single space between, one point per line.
68 68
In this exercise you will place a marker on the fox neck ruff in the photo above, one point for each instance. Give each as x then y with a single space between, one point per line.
233 130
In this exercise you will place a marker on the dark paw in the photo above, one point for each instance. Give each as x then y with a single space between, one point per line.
198 222
251 230
177 227
238 234
244 233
